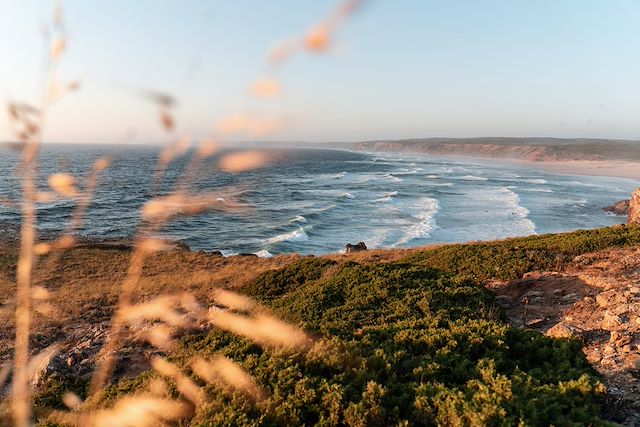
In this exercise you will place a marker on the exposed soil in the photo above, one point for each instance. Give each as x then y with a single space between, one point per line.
596 300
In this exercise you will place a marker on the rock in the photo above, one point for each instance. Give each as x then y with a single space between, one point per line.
534 322
562 330
248 255
634 208
41 364
609 298
620 340
215 253
349 248
535 293
594 357
619 208
610 321
620 309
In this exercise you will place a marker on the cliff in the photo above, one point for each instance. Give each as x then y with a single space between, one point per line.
531 149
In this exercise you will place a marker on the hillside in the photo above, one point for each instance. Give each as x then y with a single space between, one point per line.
428 336
531 149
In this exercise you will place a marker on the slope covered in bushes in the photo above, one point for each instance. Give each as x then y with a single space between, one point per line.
418 341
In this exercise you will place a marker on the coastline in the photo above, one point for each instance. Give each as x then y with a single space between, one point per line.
602 168
605 168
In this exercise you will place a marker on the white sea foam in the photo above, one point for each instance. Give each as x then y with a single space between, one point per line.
425 221
387 197
472 178
513 204
298 235
299 218
538 190
347 195
392 177
264 253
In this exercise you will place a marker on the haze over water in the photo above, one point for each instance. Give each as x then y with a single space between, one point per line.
314 201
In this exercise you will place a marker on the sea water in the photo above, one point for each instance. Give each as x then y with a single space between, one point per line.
314 201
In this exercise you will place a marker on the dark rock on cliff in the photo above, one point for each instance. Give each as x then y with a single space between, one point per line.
619 208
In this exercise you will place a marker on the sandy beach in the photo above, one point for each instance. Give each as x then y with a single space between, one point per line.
613 168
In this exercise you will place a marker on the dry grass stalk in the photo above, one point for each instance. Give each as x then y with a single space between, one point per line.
318 38
134 411
159 309
266 88
71 400
233 300
228 375
185 385
262 329
243 161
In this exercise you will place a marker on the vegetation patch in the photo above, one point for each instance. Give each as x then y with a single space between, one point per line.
510 259
402 344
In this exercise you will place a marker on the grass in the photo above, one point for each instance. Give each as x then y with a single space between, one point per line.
403 337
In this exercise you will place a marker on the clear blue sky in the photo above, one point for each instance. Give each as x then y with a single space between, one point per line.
404 68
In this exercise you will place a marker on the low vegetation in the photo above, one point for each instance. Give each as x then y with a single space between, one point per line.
410 341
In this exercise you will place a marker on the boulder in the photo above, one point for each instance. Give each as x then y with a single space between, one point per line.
563 330
610 321
634 208
349 248
619 208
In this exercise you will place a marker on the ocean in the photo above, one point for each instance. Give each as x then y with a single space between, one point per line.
314 201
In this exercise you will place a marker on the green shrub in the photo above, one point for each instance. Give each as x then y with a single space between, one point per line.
510 259
416 342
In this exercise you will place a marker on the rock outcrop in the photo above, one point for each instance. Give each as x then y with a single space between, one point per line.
349 248
619 208
634 208
595 300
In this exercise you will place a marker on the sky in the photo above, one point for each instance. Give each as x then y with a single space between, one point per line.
396 69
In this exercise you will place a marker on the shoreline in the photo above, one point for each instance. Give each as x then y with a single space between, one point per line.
602 168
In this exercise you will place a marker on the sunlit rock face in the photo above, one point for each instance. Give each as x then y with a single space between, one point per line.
634 208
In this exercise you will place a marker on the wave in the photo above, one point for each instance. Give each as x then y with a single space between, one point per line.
228 252
387 197
299 218
264 253
429 207
538 190
535 181
347 195
581 203
513 204
472 178
392 177
298 235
